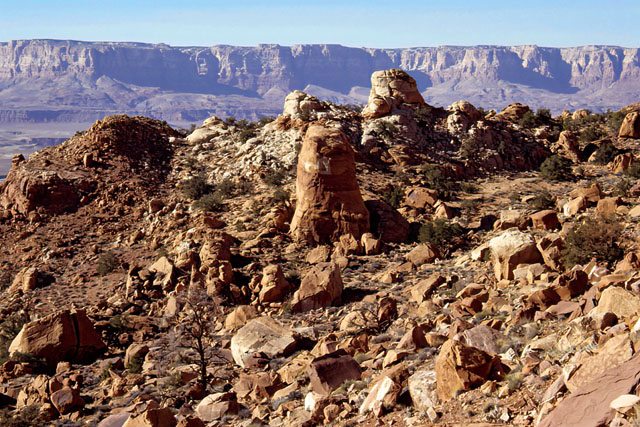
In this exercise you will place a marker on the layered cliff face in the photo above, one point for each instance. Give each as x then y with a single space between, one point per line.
62 80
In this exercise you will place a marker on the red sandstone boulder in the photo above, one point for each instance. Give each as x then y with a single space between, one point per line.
68 336
329 203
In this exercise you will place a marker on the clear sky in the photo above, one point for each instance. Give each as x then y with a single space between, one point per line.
357 23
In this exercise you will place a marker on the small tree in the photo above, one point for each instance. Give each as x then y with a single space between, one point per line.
196 325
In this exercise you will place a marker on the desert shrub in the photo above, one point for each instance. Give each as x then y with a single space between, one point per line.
555 168
231 120
614 121
622 187
195 187
386 130
107 263
543 200
436 180
440 232
592 133
275 178
543 115
135 364
9 328
633 170
279 196
606 152
225 187
528 120
469 187
597 238
29 416
469 148
265 120
469 204
246 134
393 196
209 202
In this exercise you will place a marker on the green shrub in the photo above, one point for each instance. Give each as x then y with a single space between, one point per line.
469 148
435 180
543 200
29 416
622 187
555 168
275 178
543 115
280 196
614 121
469 187
195 187
633 170
606 152
135 364
592 133
595 238
393 196
210 202
9 328
107 263
528 120
441 233
225 187
246 134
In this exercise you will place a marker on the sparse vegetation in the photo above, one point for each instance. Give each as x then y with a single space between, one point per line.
594 238
542 200
436 180
555 168
210 202
107 263
195 187
606 153
9 328
442 233
393 195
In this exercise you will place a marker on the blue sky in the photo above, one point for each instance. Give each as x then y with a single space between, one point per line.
370 23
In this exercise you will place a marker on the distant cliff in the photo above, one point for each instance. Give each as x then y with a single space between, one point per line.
59 80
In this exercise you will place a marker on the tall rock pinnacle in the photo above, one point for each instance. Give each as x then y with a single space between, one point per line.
329 203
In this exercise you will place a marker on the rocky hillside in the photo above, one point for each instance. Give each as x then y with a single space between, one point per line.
45 80
401 264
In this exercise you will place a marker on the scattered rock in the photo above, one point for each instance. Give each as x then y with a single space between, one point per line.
262 336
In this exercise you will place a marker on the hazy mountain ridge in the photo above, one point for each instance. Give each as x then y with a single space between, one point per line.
60 80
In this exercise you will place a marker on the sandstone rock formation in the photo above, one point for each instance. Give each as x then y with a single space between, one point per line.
389 89
320 287
328 199
630 127
262 335
68 336
127 146
460 367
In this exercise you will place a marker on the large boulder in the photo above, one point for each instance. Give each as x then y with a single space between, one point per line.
328 372
387 223
329 203
389 89
589 405
298 104
155 417
460 368
263 336
67 336
510 249
630 127
320 287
